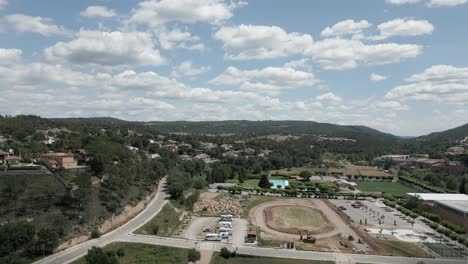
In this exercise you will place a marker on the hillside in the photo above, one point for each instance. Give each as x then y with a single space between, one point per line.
270 128
452 136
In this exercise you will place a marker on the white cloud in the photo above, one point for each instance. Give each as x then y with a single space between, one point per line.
443 83
404 27
346 27
435 3
3 3
10 56
158 12
98 11
107 49
377 78
269 79
337 53
176 38
389 105
186 68
246 42
402 2
41 25
329 97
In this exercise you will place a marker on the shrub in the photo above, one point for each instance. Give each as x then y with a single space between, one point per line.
193 255
95 234
120 252
225 253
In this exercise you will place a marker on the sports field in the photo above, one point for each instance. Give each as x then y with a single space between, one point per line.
384 187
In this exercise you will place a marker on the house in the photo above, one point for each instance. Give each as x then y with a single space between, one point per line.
185 157
344 183
201 157
430 163
249 151
458 150
154 156
8 158
60 160
231 154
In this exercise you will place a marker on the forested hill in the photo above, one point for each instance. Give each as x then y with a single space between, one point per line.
270 128
453 136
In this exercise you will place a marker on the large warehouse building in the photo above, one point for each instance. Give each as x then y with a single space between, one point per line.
451 207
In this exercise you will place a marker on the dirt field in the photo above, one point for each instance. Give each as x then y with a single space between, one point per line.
332 238
294 219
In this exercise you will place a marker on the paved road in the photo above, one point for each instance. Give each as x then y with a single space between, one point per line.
124 234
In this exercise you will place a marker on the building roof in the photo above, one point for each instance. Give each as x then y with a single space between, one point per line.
461 206
58 154
441 196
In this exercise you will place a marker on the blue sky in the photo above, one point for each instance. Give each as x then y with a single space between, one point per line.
399 66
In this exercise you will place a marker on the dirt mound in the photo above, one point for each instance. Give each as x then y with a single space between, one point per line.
227 205
296 219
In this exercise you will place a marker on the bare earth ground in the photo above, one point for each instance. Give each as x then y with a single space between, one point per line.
340 228
294 219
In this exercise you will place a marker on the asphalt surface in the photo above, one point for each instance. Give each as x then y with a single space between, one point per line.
124 234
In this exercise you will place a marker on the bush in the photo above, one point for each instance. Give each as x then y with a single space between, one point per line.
120 252
193 255
225 253
95 234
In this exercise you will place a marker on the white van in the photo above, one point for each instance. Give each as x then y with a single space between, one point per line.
224 235
213 237
225 229
225 224
227 218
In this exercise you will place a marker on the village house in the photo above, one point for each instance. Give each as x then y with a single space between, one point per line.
8 158
60 160
231 154
458 150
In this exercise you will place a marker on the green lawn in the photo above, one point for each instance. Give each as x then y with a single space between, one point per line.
142 254
262 260
387 187
165 223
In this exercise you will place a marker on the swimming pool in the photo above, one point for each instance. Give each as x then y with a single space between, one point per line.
281 183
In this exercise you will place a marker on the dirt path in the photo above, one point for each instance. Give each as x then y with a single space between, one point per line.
206 256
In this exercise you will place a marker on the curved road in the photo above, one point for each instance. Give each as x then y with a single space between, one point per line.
124 234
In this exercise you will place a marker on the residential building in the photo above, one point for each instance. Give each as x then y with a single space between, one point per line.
60 160
458 150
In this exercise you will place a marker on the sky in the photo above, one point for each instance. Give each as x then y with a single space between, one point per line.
400 66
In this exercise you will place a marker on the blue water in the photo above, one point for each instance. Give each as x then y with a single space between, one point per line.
281 183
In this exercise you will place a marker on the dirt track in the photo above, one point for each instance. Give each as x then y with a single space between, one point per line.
257 216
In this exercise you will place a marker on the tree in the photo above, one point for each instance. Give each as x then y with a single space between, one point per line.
306 175
193 255
98 256
464 185
47 241
264 182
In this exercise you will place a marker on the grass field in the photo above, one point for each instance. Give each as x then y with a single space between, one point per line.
165 223
141 254
293 218
387 187
347 169
262 260
398 248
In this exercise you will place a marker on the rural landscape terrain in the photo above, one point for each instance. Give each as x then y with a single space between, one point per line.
234 132
103 190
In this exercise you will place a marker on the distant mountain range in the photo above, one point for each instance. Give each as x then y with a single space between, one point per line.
277 127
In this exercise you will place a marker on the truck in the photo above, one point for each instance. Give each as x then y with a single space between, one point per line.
213 237
225 224
225 229
226 218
